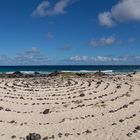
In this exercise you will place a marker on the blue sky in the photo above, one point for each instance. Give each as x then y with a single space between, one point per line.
44 32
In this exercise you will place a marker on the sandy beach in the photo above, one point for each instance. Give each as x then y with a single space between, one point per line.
70 108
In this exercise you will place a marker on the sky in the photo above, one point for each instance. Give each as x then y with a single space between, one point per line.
69 32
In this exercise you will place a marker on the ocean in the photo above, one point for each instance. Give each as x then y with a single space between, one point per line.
71 68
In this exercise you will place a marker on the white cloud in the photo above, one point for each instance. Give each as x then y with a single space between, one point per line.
137 58
29 57
46 9
40 10
105 19
5 60
108 59
34 49
104 59
123 11
126 10
104 41
101 59
79 58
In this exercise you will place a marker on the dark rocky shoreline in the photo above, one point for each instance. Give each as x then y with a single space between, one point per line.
19 74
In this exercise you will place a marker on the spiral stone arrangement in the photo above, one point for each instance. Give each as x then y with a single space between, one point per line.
70 108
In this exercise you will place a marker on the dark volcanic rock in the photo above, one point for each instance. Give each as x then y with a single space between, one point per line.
13 136
1 108
99 74
138 127
33 136
80 74
129 75
17 73
46 111
36 73
21 98
82 95
55 73
134 73
3 75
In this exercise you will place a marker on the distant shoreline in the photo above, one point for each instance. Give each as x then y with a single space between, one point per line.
19 74
108 69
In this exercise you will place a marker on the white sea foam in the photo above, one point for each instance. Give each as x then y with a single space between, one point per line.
28 72
89 71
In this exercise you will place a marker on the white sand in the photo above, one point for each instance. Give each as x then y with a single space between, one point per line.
108 108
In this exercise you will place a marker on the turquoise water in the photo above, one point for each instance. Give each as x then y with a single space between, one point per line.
48 69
